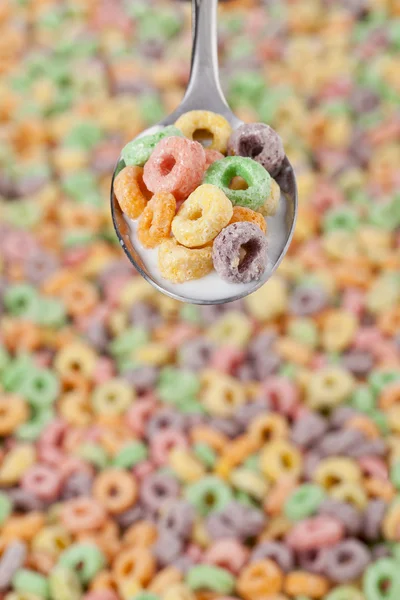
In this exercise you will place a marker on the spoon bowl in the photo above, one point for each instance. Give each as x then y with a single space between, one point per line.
204 93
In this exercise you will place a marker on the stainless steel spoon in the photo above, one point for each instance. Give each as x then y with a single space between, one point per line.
204 92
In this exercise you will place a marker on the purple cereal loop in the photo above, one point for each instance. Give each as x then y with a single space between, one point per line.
24 501
308 430
227 247
339 443
235 520
39 265
346 513
131 516
376 447
177 517
144 315
347 561
167 548
307 300
310 463
142 378
164 419
157 489
259 142
358 362
227 426
196 354
314 561
11 561
341 415
250 411
276 551
78 484
372 520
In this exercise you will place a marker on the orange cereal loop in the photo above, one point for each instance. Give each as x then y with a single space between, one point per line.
365 425
241 213
259 580
390 396
377 488
276 529
278 494
13 412
80 297
104 580
23 527
131 192
115 489
299 583
155 221
213 438
41 562
136 564
143 533
82 514
164 579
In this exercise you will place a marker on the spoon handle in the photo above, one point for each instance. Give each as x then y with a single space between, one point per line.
204 89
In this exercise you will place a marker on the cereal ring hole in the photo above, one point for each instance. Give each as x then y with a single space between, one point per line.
167 164
238 183
204 136
246 253
248 148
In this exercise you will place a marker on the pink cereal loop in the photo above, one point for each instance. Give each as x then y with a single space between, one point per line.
282 395
315 533
143 469
82 514
104 370
177 166
227 359
212 156
162 445
138 415
372 466
229 554
181 334
42 481
101 595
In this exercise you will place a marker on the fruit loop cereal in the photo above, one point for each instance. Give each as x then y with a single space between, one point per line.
208 187
153 450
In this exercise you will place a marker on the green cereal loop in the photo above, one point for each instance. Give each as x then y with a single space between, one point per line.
40 388
4 358
378 380
130 455
383 570
94 454
88 555
304 502
346 219
252 463
304 331
51 312
25 580
64 584
128 341
394 475
190 313
21 300
146 596
16 372
257 178
138 151
178 387
209 494
221 173
345 592
30 431
205 454
207 577
363 399
5 507
381 420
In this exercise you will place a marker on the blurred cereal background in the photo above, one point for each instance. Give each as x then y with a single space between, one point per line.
84 343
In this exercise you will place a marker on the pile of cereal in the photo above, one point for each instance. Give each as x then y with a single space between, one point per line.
152 450
218 224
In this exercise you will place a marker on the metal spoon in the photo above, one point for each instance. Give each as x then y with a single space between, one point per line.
204 92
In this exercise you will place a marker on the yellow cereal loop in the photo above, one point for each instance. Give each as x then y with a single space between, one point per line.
179 264
221 394
153 353
52 540
185 466
350 492
391 522
75 408
233 329
329 387
164 580
113 397
335 470
269 301
202 216
249 482
265 428
15 463
280 458
75 358
338 329
271 204
204 121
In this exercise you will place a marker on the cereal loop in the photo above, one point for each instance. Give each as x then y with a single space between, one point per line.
203 120
155 221
131 192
